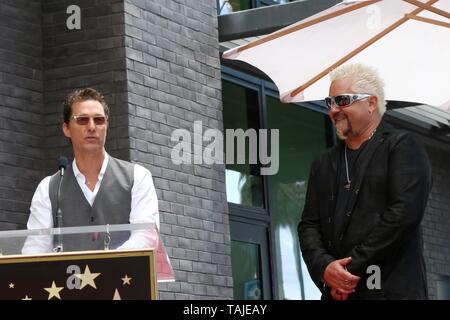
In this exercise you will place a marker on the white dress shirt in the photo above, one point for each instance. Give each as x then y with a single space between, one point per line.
144 207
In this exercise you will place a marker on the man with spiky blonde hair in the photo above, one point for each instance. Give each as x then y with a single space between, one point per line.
360 229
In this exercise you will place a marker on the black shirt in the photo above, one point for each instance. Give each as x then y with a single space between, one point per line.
343 187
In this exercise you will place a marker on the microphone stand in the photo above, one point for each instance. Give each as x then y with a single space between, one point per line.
59 240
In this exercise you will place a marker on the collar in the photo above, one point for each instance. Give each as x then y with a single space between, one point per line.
77 172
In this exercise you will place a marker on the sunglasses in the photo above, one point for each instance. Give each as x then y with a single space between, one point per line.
345 100
84 120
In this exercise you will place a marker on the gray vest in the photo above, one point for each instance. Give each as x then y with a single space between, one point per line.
112 205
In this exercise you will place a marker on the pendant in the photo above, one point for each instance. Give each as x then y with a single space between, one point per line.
347 186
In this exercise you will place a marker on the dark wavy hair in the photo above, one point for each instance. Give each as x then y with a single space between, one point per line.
83 95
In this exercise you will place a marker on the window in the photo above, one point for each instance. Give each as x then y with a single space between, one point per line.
302 138
250 261
246 270
443 288
229 6
265 209
244 184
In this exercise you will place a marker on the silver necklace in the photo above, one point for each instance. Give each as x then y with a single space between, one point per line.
349 182
347 185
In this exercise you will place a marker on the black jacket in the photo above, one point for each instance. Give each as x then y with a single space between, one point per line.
382 219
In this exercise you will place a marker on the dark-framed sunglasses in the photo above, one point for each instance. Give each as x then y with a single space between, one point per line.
84 120
345 100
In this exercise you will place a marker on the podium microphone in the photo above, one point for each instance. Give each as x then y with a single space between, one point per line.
62 164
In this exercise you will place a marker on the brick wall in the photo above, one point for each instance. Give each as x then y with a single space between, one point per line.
93 56
158 64
173 73
436 223
21 121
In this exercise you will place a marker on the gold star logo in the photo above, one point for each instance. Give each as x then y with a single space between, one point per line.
87 278
11 285
26 298
53 291
126 280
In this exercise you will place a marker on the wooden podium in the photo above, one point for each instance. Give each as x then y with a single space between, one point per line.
118 274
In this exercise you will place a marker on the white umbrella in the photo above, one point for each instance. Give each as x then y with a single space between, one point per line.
408 41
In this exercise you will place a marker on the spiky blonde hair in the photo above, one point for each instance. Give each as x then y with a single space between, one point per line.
365 80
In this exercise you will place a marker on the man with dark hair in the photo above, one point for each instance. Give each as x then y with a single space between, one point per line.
97 189
80 96
360 229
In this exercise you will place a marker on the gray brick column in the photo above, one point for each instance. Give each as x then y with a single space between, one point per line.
157 62
173 73
21 120
93 56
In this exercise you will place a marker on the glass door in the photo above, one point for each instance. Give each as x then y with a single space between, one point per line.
250 261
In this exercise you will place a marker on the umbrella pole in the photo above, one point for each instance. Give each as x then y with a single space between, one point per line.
429 7
428 20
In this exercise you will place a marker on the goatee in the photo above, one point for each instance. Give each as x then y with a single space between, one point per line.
342 131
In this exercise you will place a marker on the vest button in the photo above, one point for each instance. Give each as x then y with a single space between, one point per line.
329 220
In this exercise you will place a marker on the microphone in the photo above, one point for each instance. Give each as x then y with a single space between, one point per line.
62 164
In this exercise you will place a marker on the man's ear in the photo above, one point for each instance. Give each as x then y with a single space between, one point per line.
65 128
373 104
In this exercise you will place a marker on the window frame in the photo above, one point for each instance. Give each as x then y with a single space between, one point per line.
261 216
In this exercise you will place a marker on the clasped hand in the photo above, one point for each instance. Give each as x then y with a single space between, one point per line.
341 282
